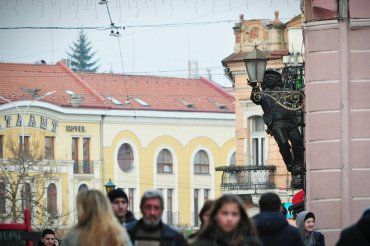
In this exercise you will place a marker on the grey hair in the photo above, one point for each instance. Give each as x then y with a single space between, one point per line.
152 194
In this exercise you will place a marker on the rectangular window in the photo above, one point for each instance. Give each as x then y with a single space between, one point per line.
196 207
26 196
258 151
1 147
255 152
24 145
75 154
2 198
49 148
131 194
86 155
169 206
262 151
206 195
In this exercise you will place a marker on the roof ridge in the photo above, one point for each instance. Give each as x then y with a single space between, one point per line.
136 75
82 82
218 88
27 64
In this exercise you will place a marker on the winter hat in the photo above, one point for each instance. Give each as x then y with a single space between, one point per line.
309 215
117 193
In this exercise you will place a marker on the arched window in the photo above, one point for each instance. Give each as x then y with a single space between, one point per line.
83 187
201 163
258 141
26 196
125 158
2 198
164 162
52 199
233 159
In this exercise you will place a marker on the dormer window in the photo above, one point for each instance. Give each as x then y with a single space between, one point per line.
114 100
141 102
186 103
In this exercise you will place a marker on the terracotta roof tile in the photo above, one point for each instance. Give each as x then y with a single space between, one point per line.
14 77
161 93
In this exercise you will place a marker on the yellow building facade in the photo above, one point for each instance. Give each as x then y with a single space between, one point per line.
175 151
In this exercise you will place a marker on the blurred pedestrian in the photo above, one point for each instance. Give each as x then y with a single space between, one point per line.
204 214
150 230
306 225
119 201
48 238
283 210
250 207
357 234
271 224
96 225
229 225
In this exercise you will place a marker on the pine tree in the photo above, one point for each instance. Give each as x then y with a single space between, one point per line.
81 55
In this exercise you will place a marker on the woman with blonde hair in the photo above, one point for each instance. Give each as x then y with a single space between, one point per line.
96 225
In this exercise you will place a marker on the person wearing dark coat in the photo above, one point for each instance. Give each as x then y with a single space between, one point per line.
119 201
229 225
305 223
357 234
167 235
272 226
150 230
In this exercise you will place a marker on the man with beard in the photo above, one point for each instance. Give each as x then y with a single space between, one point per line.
150 230
119 201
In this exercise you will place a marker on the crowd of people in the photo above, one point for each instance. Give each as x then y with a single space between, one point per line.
228 221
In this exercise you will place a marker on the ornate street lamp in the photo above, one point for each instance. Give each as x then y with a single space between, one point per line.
109 186
255 63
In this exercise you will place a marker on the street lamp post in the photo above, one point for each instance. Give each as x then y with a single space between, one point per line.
255 62
109 186
24 111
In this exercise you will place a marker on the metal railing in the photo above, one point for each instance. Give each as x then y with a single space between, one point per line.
247 177
171 218
83 167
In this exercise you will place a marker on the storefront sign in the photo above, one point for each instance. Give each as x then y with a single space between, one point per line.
38 121
75 128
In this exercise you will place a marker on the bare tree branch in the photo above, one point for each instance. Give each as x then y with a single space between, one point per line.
25 175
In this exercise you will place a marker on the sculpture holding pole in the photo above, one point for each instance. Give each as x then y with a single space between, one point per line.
280 106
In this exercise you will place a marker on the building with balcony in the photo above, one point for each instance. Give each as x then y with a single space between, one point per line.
141 132
258 164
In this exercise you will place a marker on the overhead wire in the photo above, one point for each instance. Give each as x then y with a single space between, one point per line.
103 28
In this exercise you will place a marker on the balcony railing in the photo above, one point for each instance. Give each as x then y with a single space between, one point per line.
83 167
247 177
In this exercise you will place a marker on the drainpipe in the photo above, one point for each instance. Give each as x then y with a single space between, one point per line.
102 117
345 111
343 9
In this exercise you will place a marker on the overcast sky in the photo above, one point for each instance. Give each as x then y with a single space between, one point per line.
145 50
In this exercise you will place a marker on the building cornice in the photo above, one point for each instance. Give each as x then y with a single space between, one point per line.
120 113
359 23
320 25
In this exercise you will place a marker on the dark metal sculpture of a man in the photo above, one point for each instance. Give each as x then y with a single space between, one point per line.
281 123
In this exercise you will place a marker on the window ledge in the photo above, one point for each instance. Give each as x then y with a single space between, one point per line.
170 174
203 174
